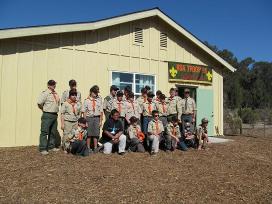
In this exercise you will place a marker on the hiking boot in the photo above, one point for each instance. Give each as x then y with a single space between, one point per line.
44 153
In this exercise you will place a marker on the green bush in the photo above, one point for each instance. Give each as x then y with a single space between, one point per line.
248 115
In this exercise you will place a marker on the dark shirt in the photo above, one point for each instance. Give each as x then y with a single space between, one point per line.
112 126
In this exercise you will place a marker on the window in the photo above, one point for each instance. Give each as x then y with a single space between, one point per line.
163 40
138 35
134 80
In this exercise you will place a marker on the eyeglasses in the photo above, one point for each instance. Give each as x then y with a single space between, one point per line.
156 115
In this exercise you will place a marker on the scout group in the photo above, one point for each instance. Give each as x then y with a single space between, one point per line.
148 123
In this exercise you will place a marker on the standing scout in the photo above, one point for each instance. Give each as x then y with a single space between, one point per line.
48 102
73 86
188 109
155 130
172 135
148 107
157 97
162 107
120 105
133 108
143 98
108 101
93 112
174 105
70 113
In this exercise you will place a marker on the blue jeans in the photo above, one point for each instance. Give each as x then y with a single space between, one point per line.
146 120
185 144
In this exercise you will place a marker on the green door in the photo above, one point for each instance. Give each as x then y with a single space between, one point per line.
204 105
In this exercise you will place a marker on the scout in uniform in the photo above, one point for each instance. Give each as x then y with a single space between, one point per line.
120 105
143 98
135 136
172 135
77 139
108 101
174 105
202 134
188 109
113 134
93 111
133 108
148 107
188 138
70 113
126 91
162 107
155 130
73 86
48 102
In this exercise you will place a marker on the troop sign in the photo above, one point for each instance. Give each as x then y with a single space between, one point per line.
181 72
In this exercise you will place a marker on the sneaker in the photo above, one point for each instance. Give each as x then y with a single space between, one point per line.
54 150
44 153
122 153
91 151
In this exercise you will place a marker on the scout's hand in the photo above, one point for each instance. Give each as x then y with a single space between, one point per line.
193 120
62 126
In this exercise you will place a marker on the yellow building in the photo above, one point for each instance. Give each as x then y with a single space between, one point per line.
136 49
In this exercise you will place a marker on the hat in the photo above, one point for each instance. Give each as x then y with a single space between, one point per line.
113 87
51 82
186 90
204 120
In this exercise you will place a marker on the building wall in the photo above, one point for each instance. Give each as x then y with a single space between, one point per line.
26 64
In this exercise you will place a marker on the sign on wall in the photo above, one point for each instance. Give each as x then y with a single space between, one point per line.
182 72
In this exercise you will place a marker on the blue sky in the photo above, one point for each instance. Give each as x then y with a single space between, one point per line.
242 26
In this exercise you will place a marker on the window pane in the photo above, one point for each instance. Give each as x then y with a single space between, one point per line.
143 80
121 80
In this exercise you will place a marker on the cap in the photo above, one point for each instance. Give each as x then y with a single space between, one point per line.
113 87
204 120
51 82
186 90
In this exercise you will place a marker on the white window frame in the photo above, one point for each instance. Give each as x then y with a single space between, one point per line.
134 79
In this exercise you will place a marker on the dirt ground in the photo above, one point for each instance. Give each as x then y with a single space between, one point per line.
236 172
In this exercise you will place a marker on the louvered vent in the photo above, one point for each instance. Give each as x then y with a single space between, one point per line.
138 35
163 40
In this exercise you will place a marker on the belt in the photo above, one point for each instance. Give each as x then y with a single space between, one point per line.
50 113
187 114
94 116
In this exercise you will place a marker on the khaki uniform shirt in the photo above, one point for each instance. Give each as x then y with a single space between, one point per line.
65 96
174 106
141 100
188 108
108 101
148 108
162 108
155 127
78 134
120 106
71 112
133 130
173 131
133 109
93 106
50 101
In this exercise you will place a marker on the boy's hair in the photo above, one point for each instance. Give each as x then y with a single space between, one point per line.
127 89
154 112
119 94
143 91
94 89
72 92
158 93
147 88
174 119
113 112
82 120
72 82
133 119
162 97
172 89
150 94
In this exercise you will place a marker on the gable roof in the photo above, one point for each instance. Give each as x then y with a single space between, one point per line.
84 26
